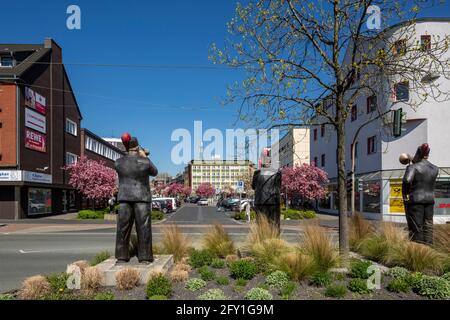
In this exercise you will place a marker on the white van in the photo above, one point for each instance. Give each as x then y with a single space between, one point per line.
174 203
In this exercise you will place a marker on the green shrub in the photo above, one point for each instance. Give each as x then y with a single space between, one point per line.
217 263
277 279
57 282
6 296
200 258
321 279
414 280
263 286
399 273
434 287
90 214
100 257
358 269
288 290
446 276
206 273
104 296
157 297
398 285
243 269
358 285
223 281
159 285
213 294
241 282
294 214
195 284
335 291
258 294
243 216
157 215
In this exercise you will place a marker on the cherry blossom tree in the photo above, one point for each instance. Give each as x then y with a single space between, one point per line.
174 189
305 181
92 179
160 188
186 191
205 189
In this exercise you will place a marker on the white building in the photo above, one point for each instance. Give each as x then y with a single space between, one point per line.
293 148
378 170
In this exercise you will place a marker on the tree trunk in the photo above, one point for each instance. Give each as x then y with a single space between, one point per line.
342 192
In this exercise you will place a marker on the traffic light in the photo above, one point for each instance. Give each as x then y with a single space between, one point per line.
397 123
349 183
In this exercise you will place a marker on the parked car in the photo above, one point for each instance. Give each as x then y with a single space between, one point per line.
156 206
194 199
202 202
165 206
229 203
172 200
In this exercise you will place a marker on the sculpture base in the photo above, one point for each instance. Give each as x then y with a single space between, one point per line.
109 268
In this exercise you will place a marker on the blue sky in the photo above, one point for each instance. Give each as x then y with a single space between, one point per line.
148 102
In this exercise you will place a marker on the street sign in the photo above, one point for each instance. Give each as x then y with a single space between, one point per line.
240 185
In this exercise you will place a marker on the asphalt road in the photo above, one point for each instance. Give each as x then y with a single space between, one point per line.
27 253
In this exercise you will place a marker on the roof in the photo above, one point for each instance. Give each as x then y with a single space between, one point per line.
36 53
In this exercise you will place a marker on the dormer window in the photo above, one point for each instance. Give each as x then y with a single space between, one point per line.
6 61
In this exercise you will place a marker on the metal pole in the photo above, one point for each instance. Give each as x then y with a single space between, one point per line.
353 179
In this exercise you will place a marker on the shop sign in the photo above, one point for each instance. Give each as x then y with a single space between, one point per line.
395 197
35 141
35 121
37 177
10 175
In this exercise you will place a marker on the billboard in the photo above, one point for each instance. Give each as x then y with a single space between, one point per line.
35 121
35 101
35 140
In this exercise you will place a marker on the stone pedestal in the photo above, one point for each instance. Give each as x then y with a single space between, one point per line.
109 268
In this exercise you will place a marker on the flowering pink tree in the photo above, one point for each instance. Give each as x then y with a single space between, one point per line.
92 179
159 188
305 181
173 189
205 189
186 191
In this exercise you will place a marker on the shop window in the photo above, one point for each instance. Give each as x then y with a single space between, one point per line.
442 197
39 201
371 196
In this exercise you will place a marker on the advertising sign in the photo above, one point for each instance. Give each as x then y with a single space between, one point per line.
395 197
35 101
34 120
442 206
35 140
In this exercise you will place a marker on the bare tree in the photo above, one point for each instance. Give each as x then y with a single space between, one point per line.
308 61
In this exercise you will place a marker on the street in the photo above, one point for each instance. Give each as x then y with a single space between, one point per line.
43 246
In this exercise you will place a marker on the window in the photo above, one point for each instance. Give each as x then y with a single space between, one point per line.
315 134
6 61
322 130
71 127
71 158
400 47
401 91
322 160
425 43
315 162
354 113
356 149
371 104
371 145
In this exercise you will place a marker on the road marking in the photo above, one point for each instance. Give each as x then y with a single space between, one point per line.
54 250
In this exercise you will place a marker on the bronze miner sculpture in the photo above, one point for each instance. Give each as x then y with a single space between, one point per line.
418 194
134 197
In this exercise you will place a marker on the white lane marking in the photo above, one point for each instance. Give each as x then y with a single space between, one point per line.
53 250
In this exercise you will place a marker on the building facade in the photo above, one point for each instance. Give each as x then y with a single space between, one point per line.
378 170
96 148
39 128
293 148
220 173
